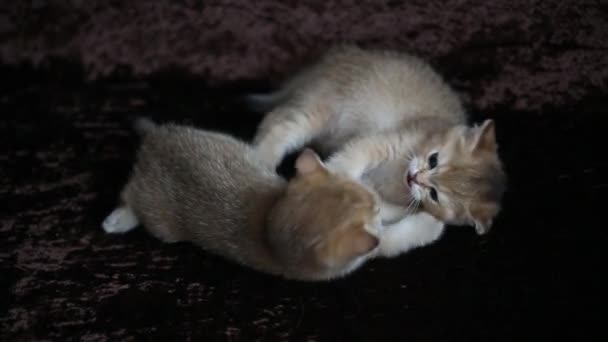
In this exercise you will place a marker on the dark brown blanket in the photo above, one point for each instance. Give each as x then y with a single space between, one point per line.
74 72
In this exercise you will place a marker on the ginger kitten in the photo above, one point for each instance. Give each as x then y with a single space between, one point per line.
211 190
389 119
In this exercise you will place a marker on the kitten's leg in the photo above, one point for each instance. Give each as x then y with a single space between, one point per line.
364 154
413 231
121 220
285 130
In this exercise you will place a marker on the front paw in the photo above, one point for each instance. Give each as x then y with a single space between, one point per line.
434 232
340 166
427 228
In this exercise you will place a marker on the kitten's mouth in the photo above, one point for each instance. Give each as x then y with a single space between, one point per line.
409 179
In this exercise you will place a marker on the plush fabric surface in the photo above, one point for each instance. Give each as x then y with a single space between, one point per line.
74 72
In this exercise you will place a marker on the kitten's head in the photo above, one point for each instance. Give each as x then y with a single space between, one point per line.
327 224
457 176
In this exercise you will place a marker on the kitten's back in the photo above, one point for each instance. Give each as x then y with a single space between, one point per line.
203 187
209 189
368 91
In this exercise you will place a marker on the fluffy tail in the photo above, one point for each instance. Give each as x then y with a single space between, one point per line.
143 126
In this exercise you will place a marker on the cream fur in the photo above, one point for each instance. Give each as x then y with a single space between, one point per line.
380 115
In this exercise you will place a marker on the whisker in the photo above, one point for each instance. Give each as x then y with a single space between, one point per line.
412 202
417 206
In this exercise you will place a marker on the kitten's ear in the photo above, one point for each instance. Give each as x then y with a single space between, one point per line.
482 227
308 162
357 242
343 247
482 217
485 137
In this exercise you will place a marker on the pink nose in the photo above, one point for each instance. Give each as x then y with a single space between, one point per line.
411 178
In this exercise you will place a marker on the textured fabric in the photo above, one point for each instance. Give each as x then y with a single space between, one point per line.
75 72
505 52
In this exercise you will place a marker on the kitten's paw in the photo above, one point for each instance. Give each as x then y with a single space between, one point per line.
428 229
121 220
339 165
434 232
411 232
267 158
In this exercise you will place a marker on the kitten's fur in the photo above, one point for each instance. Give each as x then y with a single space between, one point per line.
383 114
209 189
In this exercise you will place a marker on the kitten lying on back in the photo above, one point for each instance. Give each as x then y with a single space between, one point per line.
391 121
209 189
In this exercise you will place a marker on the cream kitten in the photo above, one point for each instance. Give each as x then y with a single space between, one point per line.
393 122
209 189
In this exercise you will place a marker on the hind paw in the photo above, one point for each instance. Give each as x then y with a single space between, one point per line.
121 220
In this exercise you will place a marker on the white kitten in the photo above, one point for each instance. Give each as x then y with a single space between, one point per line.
390 120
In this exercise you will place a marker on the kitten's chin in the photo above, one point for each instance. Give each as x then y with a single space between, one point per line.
414 193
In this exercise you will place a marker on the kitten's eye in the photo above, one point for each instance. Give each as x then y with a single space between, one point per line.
434 194
433 160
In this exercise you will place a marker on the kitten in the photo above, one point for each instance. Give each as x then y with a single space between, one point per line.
209 189
390 120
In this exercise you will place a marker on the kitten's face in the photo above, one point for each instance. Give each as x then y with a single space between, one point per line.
458 177
334 222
